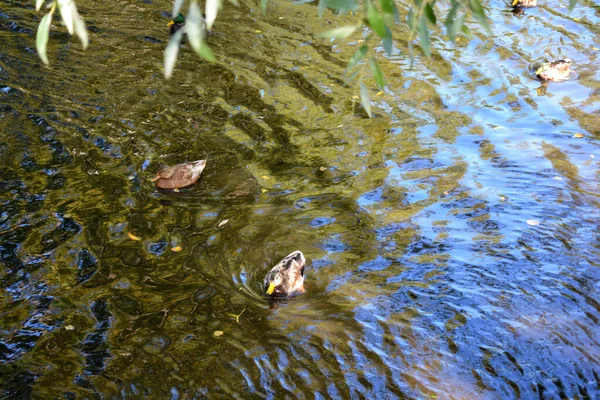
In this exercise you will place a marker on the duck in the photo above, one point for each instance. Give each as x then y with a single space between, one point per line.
287 277
554 71
180 175
523 3
176 23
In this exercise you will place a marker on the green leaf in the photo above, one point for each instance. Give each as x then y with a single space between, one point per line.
351 77
321 7
365 99
377 72
467 32
177 4
572 4
263 6
212 9
450 22
235 2
206 53
339 33
388 7
38 4
81 31
475 6
430 14
171 53
41 39
376 23
342 6
195 26
358 56
67 12
424 37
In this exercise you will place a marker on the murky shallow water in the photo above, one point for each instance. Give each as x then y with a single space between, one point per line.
425 278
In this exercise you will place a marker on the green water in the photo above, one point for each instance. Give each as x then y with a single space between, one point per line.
451 240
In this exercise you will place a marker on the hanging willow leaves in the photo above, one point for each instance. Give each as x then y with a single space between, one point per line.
572 4
339 33
263 6
365 99
177 4
67 12
212 9
379 27
430 14
358 56
377 72
81 31
38 4
171 53
343 6
41 40
195 27
475 6
424 36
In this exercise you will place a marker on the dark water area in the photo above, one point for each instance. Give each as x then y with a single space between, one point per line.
452 240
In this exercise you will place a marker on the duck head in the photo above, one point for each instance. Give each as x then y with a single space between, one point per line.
176 23
287 277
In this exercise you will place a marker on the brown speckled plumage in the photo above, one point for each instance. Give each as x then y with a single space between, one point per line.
180 175
287 277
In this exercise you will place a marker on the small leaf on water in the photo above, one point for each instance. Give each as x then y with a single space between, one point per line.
69 327
41 40
265 177
322 169
339 33
355 97
365 99
133 237
379 93
212 9
376 71
223 223
176 190
578 135
218 333
171 53
258 31
176 249
502 198
263 190
533 222
232 315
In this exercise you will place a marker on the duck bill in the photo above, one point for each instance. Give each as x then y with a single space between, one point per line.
271 288
170 23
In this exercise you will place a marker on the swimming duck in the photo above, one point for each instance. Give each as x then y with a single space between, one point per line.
287 277
177 23
180 175
554 71
524 3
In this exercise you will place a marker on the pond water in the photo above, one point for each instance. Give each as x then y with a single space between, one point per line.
452 240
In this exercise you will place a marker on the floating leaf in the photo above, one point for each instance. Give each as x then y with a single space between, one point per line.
41 40
195 27
176 249
265 177
322 169
263 190
578 135
377 72
38 4
69 327
67 12
81 31
223 223
358 56
365 99
218 333
171 53
177 4
339 33
133 237
212 9
533 222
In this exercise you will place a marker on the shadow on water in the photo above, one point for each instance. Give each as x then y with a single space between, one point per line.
451 241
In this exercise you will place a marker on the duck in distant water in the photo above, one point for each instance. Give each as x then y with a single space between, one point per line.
177 23
554 71
287 277
180 175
